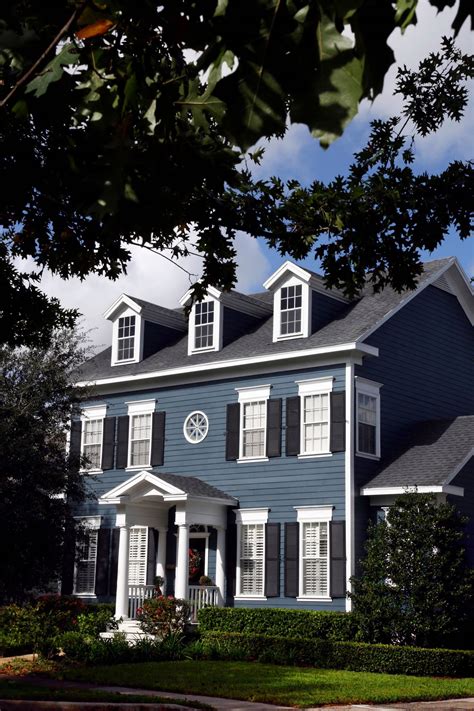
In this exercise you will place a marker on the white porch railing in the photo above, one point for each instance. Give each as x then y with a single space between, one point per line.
200 596
137 594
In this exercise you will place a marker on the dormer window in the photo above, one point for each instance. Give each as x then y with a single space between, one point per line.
291 310
126 338
204 325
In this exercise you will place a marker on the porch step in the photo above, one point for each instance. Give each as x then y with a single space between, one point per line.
129 628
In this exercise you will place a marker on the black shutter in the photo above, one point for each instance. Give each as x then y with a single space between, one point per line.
108 443
122 442
102 563
114 546
158 439
338 422
291 559
338 558
232 432
274 428
75 442
272 560
69 558
231 555
151 556
292 426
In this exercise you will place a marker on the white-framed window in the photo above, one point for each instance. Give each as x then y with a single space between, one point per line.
368 418
250 583
314 561
253 422
92 420
204 325
86 556
291 316
196 427
140 414
315 413
137 555
126 338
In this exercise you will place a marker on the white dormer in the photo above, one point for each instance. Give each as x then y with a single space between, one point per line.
205 322
127 330
291 287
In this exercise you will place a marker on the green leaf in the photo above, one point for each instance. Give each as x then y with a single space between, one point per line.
406 13
53 71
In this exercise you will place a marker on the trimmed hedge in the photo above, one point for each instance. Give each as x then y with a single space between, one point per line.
328 654
307 624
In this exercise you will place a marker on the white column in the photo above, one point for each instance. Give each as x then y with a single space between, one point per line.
220 563
121 600
182 562
161 556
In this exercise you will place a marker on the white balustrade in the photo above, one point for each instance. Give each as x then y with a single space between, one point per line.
202 596
137 594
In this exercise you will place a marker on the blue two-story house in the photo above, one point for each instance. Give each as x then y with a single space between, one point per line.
253 441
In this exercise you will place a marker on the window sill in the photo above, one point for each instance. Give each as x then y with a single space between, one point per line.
250 597
290 336
125 362
90 595
315 456
138 468
249 460
91 471
366 455
313 599
209 349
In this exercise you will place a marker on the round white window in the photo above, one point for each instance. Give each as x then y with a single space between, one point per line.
196 427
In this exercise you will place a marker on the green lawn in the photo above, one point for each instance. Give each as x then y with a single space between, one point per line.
291 686
19 690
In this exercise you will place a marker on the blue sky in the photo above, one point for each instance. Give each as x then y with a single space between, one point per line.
299 156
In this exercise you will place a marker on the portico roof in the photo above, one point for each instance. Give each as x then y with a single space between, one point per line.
167 487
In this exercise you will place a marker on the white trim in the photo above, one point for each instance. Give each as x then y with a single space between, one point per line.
314 386
306 306
137 338
250 597
94 412
211 291
349 463
92 523
217 328
89 414
259 393
430 489
140 407
122 299
267 359
302 598
371 389
89 521
245 516
313 514
186 419
287 266
314 456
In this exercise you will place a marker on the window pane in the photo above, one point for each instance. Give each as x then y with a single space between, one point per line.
92 443
254 424
86 561
137 561
316 423
140 440
204 325
126 338
290 310
315 552
367 423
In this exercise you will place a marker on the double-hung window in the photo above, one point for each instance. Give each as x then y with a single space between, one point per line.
314 561
251 552
126 338
291 310
253 422
368 417
86 557
92 436
140 433
204 325
315 397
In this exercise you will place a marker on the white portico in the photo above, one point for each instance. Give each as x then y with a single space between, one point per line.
144 500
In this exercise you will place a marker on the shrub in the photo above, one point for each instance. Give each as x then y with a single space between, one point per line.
163 616
277 622
117 650
92 623
328 654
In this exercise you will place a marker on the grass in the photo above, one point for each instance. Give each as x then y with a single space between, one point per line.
291 686
19 690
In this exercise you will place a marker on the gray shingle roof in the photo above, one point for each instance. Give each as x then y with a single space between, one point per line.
352 323
153 312
194 486
430 454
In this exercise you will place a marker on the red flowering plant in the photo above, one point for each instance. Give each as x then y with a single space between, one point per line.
163 616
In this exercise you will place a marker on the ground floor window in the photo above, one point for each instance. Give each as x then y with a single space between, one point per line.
137 561
86 559
251 525
314 562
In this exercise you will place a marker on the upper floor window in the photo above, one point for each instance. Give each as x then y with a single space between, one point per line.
253 422
126 338
368 417
92 437
140 432
204 325
315 415
291 310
